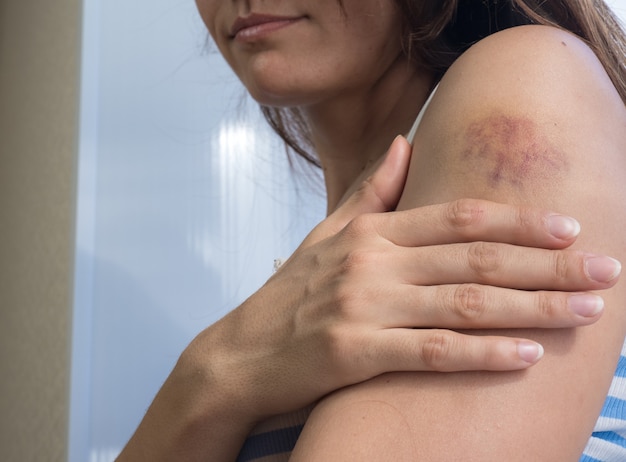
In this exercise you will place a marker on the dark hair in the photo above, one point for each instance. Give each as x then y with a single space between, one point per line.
438 31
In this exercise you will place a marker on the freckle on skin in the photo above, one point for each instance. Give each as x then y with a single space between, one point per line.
511 150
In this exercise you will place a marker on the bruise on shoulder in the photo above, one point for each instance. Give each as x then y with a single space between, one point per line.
511 151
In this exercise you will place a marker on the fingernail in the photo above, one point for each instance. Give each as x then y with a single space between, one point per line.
602 269
396 139
563 227
585 304
394 144
530 352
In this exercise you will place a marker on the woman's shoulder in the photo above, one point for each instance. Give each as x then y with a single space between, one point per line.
530 56
526 116
520 112
535 69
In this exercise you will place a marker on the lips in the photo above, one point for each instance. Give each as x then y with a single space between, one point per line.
256 20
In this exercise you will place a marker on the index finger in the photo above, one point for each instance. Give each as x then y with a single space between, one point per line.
468 220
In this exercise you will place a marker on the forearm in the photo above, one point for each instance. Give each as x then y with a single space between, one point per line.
196 415
545 413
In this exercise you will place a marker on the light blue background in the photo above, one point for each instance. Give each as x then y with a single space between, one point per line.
185 199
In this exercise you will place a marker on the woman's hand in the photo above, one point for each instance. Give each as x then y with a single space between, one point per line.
371 292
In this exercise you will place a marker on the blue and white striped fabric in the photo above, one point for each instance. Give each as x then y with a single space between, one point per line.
608 441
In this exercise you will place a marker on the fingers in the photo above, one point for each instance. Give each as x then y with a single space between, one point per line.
450 351
477 220
474 306
443 350
507 265
380 192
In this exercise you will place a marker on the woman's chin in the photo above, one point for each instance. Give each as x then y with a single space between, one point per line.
277 97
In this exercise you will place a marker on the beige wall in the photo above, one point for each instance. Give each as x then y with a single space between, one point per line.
39 48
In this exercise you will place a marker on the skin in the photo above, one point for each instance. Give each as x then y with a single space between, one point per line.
514 151
343 309
513 133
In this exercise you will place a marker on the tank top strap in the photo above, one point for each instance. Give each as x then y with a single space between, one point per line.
411 136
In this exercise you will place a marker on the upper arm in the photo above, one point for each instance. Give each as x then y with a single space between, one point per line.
526 117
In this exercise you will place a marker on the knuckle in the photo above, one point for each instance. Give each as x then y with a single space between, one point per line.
364 188
525 218
359 226
336 345
334 340
347 303
352 298
470 302
366 191
437 350
464 213
345 352
561 265
549 305
349 294
357 260
484 258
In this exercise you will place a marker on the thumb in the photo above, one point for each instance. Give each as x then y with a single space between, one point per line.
382 190
379 193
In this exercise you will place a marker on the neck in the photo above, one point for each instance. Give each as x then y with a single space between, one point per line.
352 132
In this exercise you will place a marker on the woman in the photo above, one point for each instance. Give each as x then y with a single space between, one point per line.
527 116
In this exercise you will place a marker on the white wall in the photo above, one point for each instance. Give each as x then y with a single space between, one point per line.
619 6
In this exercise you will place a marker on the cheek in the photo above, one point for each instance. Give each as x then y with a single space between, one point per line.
211 14
208 12
376 40
282 79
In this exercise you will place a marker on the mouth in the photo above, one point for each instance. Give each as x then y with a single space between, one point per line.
260 21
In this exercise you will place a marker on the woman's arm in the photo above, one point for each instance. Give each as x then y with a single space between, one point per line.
317 326
297 338
527 116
